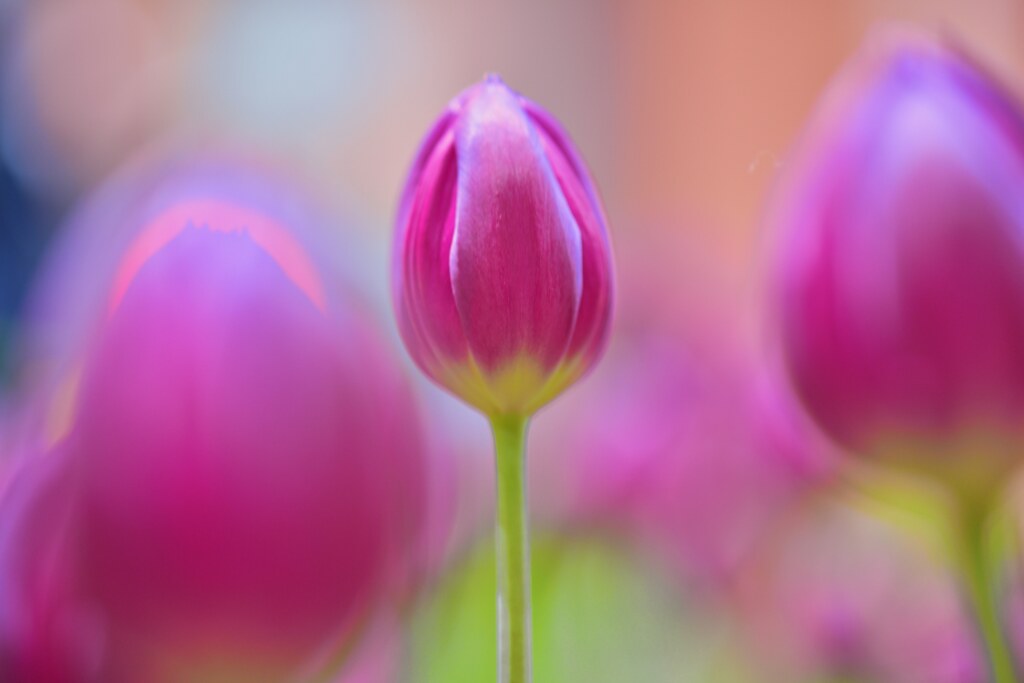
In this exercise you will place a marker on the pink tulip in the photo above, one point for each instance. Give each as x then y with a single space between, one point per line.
683 440
697 457
70 300
247 461
900 276
502 276
838 594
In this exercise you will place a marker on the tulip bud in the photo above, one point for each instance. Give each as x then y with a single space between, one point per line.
230 421
246 459
900 274
502 273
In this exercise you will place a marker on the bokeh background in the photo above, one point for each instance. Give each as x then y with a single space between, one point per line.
685 112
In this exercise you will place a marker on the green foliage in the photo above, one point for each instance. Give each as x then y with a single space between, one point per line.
600 615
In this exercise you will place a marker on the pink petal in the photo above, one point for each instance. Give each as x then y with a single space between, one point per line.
593 320
428 318
516 260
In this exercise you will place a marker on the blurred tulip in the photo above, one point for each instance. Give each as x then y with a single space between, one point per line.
702 458
901 285
900 275
502 274
841 597
684 439
69 298
248 465
273 432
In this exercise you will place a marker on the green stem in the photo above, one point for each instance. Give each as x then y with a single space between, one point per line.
513 551
976 568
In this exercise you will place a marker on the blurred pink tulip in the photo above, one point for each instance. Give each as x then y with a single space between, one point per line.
698 458
502 273
249 471
840 595
70 300
900 273
683 438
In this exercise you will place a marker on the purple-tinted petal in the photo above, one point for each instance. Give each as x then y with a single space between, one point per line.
424 154
428 317
593 319
552 133
516 260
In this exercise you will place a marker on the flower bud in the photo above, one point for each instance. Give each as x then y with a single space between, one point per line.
229 421
900 273
502 273
246 459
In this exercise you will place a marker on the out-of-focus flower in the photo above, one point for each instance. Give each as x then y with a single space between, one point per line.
70 300
273 433
900 273
700 459
502 273
247 462
842 597
684 438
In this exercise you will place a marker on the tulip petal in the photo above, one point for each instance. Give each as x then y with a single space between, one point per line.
558 143
516 261
428 317
593 320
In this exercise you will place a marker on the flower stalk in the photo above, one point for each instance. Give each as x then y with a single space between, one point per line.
513 550
976 568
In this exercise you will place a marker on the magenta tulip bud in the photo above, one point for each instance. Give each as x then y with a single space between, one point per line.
901 269
502 273
246 462
239 442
